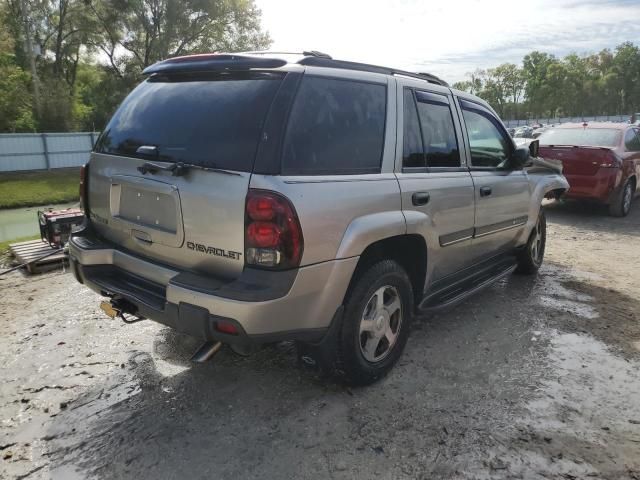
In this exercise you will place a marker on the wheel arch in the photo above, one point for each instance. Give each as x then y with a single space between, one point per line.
542 186
408 250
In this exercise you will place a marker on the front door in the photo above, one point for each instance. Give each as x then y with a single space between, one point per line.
502 194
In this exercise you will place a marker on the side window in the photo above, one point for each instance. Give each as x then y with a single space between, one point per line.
489 147
438 131
413 151
335 127
631 141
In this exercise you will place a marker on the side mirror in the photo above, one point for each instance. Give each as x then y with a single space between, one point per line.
534 148
520 158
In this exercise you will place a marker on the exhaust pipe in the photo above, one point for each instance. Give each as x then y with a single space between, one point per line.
206 352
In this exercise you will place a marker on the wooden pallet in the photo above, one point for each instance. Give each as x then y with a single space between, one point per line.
28 251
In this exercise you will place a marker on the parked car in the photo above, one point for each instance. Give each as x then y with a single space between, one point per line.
523 132
538 131
601 161
243 199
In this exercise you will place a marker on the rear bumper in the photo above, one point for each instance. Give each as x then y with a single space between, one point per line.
264 306
599 187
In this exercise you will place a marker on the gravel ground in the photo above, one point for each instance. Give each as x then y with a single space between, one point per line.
533 378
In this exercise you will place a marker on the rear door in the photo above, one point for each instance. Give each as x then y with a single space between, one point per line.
502 195
191 216
436 187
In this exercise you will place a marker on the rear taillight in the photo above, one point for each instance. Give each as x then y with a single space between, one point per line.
612 161
84 180
273 237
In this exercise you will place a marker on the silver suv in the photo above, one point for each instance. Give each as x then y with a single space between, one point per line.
248 199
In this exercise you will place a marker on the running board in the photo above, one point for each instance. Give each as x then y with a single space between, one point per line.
453 294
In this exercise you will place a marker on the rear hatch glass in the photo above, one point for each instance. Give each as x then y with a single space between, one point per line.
193 220
211 121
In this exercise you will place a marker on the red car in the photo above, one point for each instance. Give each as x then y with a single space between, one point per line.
601 161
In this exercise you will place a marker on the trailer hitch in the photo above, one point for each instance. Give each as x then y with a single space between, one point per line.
119 308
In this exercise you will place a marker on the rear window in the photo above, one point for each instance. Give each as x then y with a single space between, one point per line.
335 127
438 132
586 137
209 121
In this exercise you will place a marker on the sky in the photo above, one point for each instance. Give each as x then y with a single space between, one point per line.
448 38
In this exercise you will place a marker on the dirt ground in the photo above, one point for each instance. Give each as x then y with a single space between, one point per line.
533 378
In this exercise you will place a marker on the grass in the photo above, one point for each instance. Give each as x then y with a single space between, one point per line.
28 189
4 246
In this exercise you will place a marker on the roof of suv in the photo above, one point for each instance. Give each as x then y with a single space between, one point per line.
249 60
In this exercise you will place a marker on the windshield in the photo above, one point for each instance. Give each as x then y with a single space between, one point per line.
585 137
206 121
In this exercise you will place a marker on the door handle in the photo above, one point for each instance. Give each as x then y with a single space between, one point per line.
141 237
485 191
420 198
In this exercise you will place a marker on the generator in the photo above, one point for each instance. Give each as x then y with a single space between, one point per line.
56 225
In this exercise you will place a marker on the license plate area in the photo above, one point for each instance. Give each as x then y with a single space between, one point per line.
149 206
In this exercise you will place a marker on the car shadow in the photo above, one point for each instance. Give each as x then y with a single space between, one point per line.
593 216
455 394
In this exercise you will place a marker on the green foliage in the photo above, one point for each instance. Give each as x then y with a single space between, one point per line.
91 53
606 83
15 99
39 188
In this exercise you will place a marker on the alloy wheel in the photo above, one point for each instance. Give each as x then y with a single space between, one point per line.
380 324
536 244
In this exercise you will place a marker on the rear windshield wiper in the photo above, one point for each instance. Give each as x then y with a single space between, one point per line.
178 169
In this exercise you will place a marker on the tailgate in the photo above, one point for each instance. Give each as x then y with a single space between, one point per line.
191 218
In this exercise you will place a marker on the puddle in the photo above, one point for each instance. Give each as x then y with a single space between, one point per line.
553 294
577 308
23 222
594 391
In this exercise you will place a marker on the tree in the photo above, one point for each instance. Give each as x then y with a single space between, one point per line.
15 99
70 36
535 66
151 30
626 64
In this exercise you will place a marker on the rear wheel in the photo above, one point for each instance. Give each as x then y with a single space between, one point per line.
621 205
530 257
375 328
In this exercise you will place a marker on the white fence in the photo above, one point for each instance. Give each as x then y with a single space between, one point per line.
555 121
44 151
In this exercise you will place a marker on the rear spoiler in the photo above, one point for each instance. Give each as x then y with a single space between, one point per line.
212 63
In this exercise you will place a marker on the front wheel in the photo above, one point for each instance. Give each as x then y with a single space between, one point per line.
375 328
530 257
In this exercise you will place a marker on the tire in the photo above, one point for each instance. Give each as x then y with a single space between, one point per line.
621 204
530 258
376 323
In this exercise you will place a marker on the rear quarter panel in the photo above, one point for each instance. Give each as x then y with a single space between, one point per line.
340 215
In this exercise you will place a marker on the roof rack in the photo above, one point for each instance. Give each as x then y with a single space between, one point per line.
326 61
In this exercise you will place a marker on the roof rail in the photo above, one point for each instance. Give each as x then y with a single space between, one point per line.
319 61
